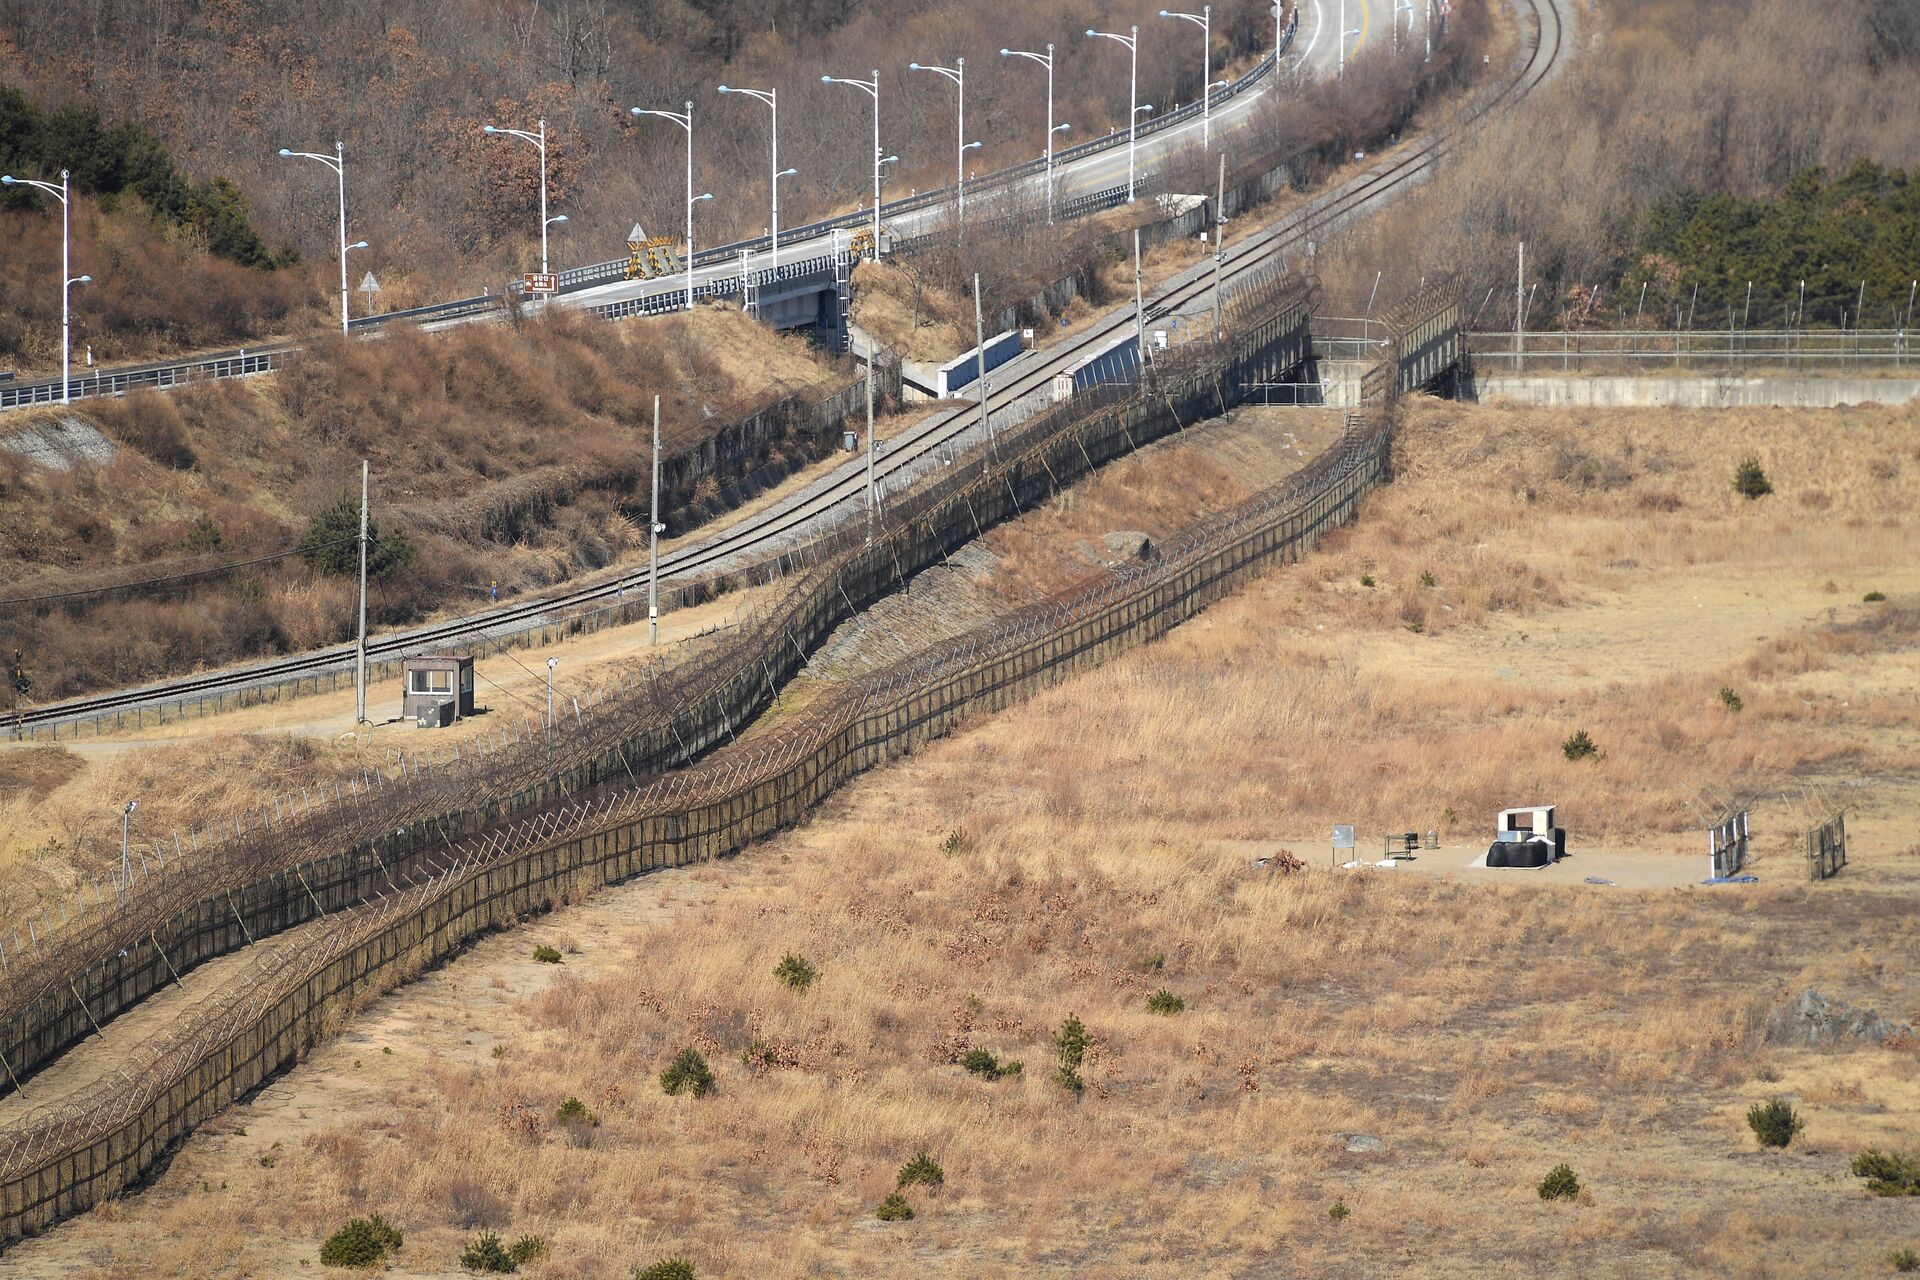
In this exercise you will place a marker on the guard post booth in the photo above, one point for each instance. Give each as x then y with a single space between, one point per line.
437 689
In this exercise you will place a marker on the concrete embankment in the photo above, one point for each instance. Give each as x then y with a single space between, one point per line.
1682 392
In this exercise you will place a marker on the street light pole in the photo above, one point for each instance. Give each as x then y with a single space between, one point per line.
958 74
67 279
338 163
772 98
685 121
1204 21
1132 41
872 90
1045 60
539 140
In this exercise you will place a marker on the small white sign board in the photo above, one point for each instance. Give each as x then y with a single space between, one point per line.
1343 837
369 284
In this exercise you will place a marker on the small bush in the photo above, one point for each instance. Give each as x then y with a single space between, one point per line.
528 1248
1072 1042
1153 963
1339 1211
795 972
363 1242
983 1064
688 1071
487 1255
1774 1122
1731 700
955 843
666 1269
1750 481
1579 746
1904 1260
1874 597
1366 579
894 1208
1559 1184
574 1111
1164 1001
1426 578
923 1170
546 955
1888 1173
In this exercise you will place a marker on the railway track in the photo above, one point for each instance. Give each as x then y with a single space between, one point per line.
906 453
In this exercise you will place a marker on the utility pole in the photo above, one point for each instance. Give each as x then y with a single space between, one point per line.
980 355
360 649
551 664
653 537
1219 242
1519 302
1139 312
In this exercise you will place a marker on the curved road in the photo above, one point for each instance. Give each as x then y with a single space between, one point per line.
925 445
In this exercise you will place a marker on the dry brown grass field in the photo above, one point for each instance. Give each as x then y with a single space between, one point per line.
1087 848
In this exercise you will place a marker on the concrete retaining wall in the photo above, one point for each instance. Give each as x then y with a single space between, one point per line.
1693 393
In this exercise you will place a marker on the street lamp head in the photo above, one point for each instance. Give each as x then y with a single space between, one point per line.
826 79
1092 32
724 89
81 280
971 146
1006 53
358 244
488 129
636 111
704 196
552 663
1061 128
285 154
913 66
556 219
1145 106
131 806
889 159
6 180
787 173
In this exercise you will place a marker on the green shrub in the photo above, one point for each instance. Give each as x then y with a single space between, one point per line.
1750 481
1072 1041
1904 1260
574 1111
1154 962
1731 700
332 542
894 1208
1366 579
363 1242
485 1254
983 1064
1426 578
1874 597
1579 746
546 955
528 1248
1888 1173
923 1170
666 1269
1774 1122
1559 1184
688 1071
1164 1001
955 842
795 972
1339 1211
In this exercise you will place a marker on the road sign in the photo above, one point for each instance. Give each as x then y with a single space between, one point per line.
541 282
1343 837
369 284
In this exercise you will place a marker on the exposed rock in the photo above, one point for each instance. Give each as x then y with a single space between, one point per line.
1127 545
1812 1019
1362 1144
59 443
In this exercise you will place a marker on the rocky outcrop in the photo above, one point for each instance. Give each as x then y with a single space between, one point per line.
1814 1020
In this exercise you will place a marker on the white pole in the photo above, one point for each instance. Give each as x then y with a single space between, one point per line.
1206 77
1343 39
960 140
1049 133
1133 108
773 99
360 648
1139 313
543 196
340 167
66 290
980 356
653 537
689 206
1427 30
873 489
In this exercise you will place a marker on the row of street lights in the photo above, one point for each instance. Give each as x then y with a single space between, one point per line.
337 162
